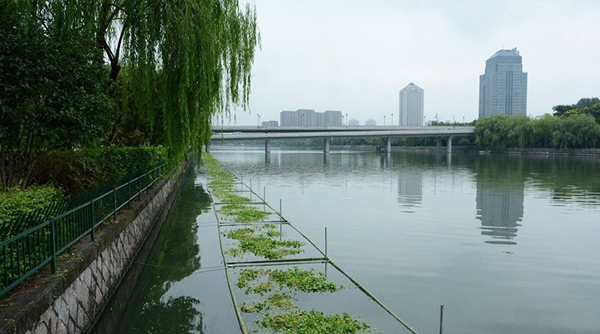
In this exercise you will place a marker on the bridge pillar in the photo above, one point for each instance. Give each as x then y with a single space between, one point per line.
267 146
438 144
388 145
449 146
326 145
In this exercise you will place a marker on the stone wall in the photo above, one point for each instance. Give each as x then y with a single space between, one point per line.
71 300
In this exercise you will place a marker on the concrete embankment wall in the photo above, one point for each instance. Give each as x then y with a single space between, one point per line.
71 300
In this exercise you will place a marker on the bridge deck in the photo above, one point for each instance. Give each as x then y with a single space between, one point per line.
296 132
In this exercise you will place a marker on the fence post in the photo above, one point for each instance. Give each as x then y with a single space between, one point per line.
53 245
115 202
441 318
93 220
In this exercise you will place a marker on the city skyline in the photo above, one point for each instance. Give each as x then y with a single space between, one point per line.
354 56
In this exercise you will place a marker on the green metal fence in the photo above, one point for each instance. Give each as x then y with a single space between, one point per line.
36 240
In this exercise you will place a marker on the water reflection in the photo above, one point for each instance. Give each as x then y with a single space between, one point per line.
410 188
144 302
173 315
500 209
500 197
570 179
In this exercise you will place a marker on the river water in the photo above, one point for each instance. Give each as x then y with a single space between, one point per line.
508 244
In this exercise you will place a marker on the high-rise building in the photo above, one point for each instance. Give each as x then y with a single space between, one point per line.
503 86
411 105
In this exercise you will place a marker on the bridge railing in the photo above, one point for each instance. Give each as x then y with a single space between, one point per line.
22 254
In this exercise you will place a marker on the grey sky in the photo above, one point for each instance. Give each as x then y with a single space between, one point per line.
355 56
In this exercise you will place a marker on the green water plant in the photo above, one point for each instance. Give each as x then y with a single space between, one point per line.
242 213
258 242
261 281
313 322
230 197
275 301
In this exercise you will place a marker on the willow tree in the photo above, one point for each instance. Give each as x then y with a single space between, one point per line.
195 55
192 56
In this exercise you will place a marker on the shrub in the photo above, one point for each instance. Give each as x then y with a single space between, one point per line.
81 170
16 202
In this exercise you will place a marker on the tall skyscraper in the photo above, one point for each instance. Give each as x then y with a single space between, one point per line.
503 86
411 105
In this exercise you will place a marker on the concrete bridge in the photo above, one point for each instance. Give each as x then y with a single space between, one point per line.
328 132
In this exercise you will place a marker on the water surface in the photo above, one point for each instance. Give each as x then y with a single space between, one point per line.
507 243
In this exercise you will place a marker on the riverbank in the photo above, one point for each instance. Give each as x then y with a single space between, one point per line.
70 300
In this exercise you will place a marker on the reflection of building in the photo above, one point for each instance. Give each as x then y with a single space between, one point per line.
410 188
308 117
500 208
503 86
411 105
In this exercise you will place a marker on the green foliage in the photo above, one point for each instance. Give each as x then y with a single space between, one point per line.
542 130
497 132
52 93
16 202
589 106
518 131
183 62
492 132
193 57
577 131
313 322
78 171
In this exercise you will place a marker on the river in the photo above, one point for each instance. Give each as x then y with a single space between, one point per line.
509 244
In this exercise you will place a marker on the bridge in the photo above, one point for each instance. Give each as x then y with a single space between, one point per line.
268 133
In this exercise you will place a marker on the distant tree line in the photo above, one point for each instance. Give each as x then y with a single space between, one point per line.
571 126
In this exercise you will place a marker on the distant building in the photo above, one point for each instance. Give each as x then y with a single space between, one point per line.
332 118
353 122
411 105
370 122
308 117
270 123
503 86
288 118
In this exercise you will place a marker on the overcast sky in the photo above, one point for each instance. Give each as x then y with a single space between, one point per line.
356 55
